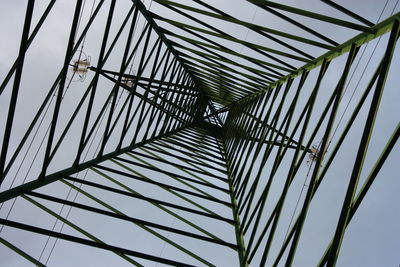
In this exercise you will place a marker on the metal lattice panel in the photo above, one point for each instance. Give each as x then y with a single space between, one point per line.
198 133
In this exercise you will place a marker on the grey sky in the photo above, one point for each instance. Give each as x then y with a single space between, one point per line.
370 240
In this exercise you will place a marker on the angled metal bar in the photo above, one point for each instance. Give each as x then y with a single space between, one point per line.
21 252
188 170
338 92
152 83
148 100
219 33
250 196
68 56
333 154
294 22
348 12
122 69
369 124
76 112
152 200
312 15
306 120
265 129
156 28
186 159
75 227
200 181
256 28
195 156
242 187
308 108
201 194
132 92
141 118
29 42
265 156
241 144
208 150
111 92
196 150
276 162
219 61
172 66
128 218
362 38
17 81
367 184
168 97
87 242
18 190
148 229
169 118
143 81
147 88
221 48
217 58
239 234
213 76
145 178
163 185
100 64
182 219
51 91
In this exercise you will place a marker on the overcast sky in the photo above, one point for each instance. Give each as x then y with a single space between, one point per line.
370 240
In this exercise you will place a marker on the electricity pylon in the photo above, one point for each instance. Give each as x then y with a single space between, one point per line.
198 148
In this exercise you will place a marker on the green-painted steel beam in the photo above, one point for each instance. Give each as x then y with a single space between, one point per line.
362 38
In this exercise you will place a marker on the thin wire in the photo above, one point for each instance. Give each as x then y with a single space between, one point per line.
79 20
169 233
71 79
308 172
51 100
29 147
84 177
84 37
298 200
134 30
33 161
179 148
45 135
362 74
247 34
173 222
44 115
70 189
245 39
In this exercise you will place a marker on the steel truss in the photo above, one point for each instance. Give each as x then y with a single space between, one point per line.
194 135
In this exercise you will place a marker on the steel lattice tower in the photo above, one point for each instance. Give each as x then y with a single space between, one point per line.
177 142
